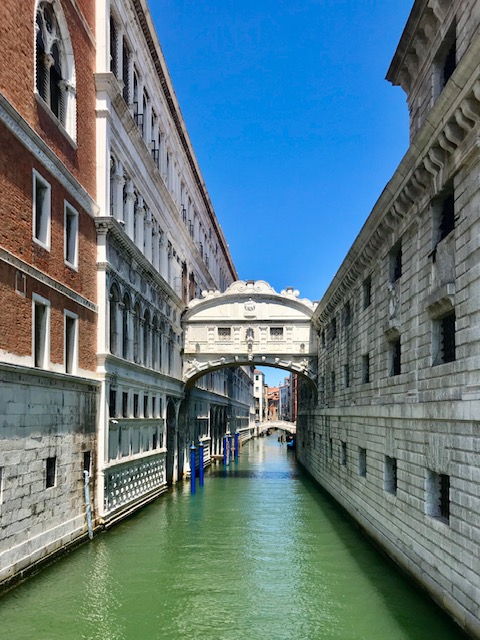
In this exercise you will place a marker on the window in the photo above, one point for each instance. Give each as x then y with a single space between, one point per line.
41 210
346 375
125 404
50 472
367 292
395 356
154 407
112 403
333 329
347 315
147 335
276 333
443 217
437 499
126 327
330 447
71 236
224 334
390 475
137 352
113 47
446 61
365 368
146 413
343 454
71 342
362 462
126 72
135 405
444 339
114 310
322 338
87 461
395 261
41 332
55 68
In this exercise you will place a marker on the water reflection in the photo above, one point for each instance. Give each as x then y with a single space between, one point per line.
100 612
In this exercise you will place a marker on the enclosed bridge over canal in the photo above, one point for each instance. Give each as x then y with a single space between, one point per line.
250 324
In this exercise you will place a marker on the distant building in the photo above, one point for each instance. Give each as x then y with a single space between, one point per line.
272 399
258 394
285 399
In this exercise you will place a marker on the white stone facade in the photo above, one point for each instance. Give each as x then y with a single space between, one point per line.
395 436
159 246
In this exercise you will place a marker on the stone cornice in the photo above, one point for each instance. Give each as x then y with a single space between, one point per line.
21 129
447 139
108 225
148 28
253 289
44 278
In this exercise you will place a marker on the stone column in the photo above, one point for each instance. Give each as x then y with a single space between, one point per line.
129 210
139 223
148 235
118 182
163 247
155 247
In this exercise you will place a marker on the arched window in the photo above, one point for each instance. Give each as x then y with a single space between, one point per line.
114 319
55 68
146 338
126 327
171 342
155 340
137 352
160 346
113 173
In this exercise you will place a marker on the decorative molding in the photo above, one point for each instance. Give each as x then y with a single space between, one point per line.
45 279
441 301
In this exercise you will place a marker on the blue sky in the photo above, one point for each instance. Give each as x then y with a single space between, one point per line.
294 126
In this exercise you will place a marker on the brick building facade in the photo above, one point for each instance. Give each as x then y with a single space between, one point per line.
47 277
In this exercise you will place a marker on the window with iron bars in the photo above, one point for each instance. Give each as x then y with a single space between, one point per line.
444 339
276 333
224 334
437 498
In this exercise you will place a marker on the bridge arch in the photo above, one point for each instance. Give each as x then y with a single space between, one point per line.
249 324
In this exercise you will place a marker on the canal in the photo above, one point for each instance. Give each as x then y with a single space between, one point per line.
258 554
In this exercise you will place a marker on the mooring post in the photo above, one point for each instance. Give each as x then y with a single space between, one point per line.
225 451
192 468
230 439
237 440
200 464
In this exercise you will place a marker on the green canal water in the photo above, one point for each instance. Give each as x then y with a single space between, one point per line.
258 554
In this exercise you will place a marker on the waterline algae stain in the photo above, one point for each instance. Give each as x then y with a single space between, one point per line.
258 553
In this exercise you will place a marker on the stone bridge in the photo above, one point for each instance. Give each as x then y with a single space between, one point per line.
249 324
282 425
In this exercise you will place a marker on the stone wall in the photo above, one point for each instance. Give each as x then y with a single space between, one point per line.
395 433
47 438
